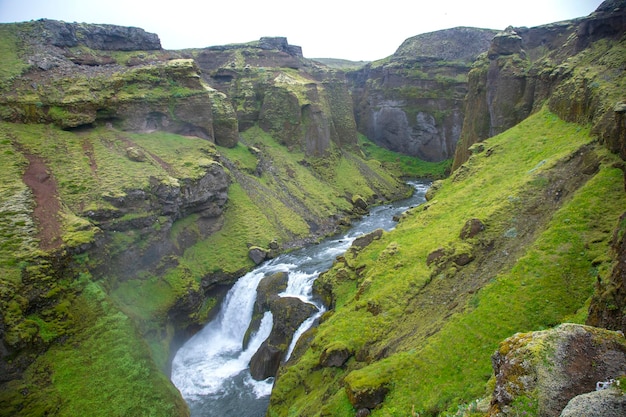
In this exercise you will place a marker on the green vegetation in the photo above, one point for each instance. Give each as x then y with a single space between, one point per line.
103 370
11 64
404 165
435 327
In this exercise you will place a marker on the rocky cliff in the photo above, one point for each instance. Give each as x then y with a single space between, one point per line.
412 102
561 64
306 105
138 183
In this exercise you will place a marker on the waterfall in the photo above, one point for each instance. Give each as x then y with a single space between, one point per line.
211 369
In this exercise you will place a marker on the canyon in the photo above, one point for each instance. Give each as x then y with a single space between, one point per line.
139 184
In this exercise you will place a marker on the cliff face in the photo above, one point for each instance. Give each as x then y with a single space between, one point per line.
412 102
94 74
526 68
305 105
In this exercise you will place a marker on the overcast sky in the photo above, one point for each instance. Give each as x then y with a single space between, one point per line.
356 30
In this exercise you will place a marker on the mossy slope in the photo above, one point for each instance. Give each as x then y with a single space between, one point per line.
423 333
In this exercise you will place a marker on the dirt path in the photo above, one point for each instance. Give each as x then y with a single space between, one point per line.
47 207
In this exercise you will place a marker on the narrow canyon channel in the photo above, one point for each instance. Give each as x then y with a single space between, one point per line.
211 369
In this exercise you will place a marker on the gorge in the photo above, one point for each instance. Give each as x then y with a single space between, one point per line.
139 184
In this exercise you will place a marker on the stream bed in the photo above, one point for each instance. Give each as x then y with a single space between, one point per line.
211 368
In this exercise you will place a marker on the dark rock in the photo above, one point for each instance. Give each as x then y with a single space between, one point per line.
268 289
435 255
359 203
367 397
257 254
365 240
471 228
463 259
335 355
266 361
288 314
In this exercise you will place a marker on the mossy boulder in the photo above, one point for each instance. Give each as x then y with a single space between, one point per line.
365 395
257 254
544 370
335 355
471 228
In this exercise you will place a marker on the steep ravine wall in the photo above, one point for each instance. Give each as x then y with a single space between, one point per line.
304 105
526 68
412 101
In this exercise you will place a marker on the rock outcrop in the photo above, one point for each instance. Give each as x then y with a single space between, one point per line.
527 67
540 372
78 82
100 37
413 102
609 302
288 314
304 105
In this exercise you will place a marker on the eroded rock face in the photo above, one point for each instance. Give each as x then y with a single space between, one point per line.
609 302
548 368
305 110
414 103
101 37
526 67
288 313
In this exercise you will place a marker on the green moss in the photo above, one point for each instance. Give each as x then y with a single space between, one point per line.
11 65
106 370
435 336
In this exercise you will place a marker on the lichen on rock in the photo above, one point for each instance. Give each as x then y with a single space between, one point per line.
550 367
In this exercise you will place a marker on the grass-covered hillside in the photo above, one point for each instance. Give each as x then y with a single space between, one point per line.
512 242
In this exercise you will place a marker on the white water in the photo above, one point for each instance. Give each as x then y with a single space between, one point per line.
211 369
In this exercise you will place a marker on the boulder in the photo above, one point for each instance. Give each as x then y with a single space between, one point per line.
365 240
257 254
435 256
359 203
335 355
602 403
471 228
546 369
366 398
265 362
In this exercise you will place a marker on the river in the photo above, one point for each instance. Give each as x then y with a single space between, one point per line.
211 369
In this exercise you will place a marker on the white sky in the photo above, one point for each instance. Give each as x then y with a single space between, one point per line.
349 29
